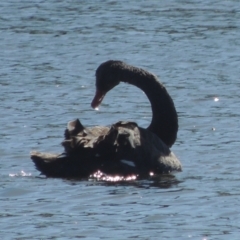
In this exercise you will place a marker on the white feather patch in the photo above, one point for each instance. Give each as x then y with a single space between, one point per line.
128 162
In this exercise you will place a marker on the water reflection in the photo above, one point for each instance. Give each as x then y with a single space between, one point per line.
164 181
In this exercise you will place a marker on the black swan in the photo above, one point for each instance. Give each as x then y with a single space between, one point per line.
123 148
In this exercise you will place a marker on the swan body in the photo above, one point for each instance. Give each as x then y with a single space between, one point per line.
124 148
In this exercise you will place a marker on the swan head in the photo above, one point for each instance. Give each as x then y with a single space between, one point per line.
107 77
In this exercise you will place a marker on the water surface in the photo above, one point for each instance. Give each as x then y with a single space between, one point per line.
49 53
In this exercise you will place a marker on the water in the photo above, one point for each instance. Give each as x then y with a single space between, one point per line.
49 53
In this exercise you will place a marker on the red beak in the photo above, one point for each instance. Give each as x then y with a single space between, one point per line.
99 95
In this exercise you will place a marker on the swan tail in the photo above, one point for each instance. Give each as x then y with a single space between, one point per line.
60 165
51 165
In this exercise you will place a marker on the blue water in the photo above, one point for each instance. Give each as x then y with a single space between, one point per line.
49 53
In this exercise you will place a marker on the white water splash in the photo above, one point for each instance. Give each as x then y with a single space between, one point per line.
21 174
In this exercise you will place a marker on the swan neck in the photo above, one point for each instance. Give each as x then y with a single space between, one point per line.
164 116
